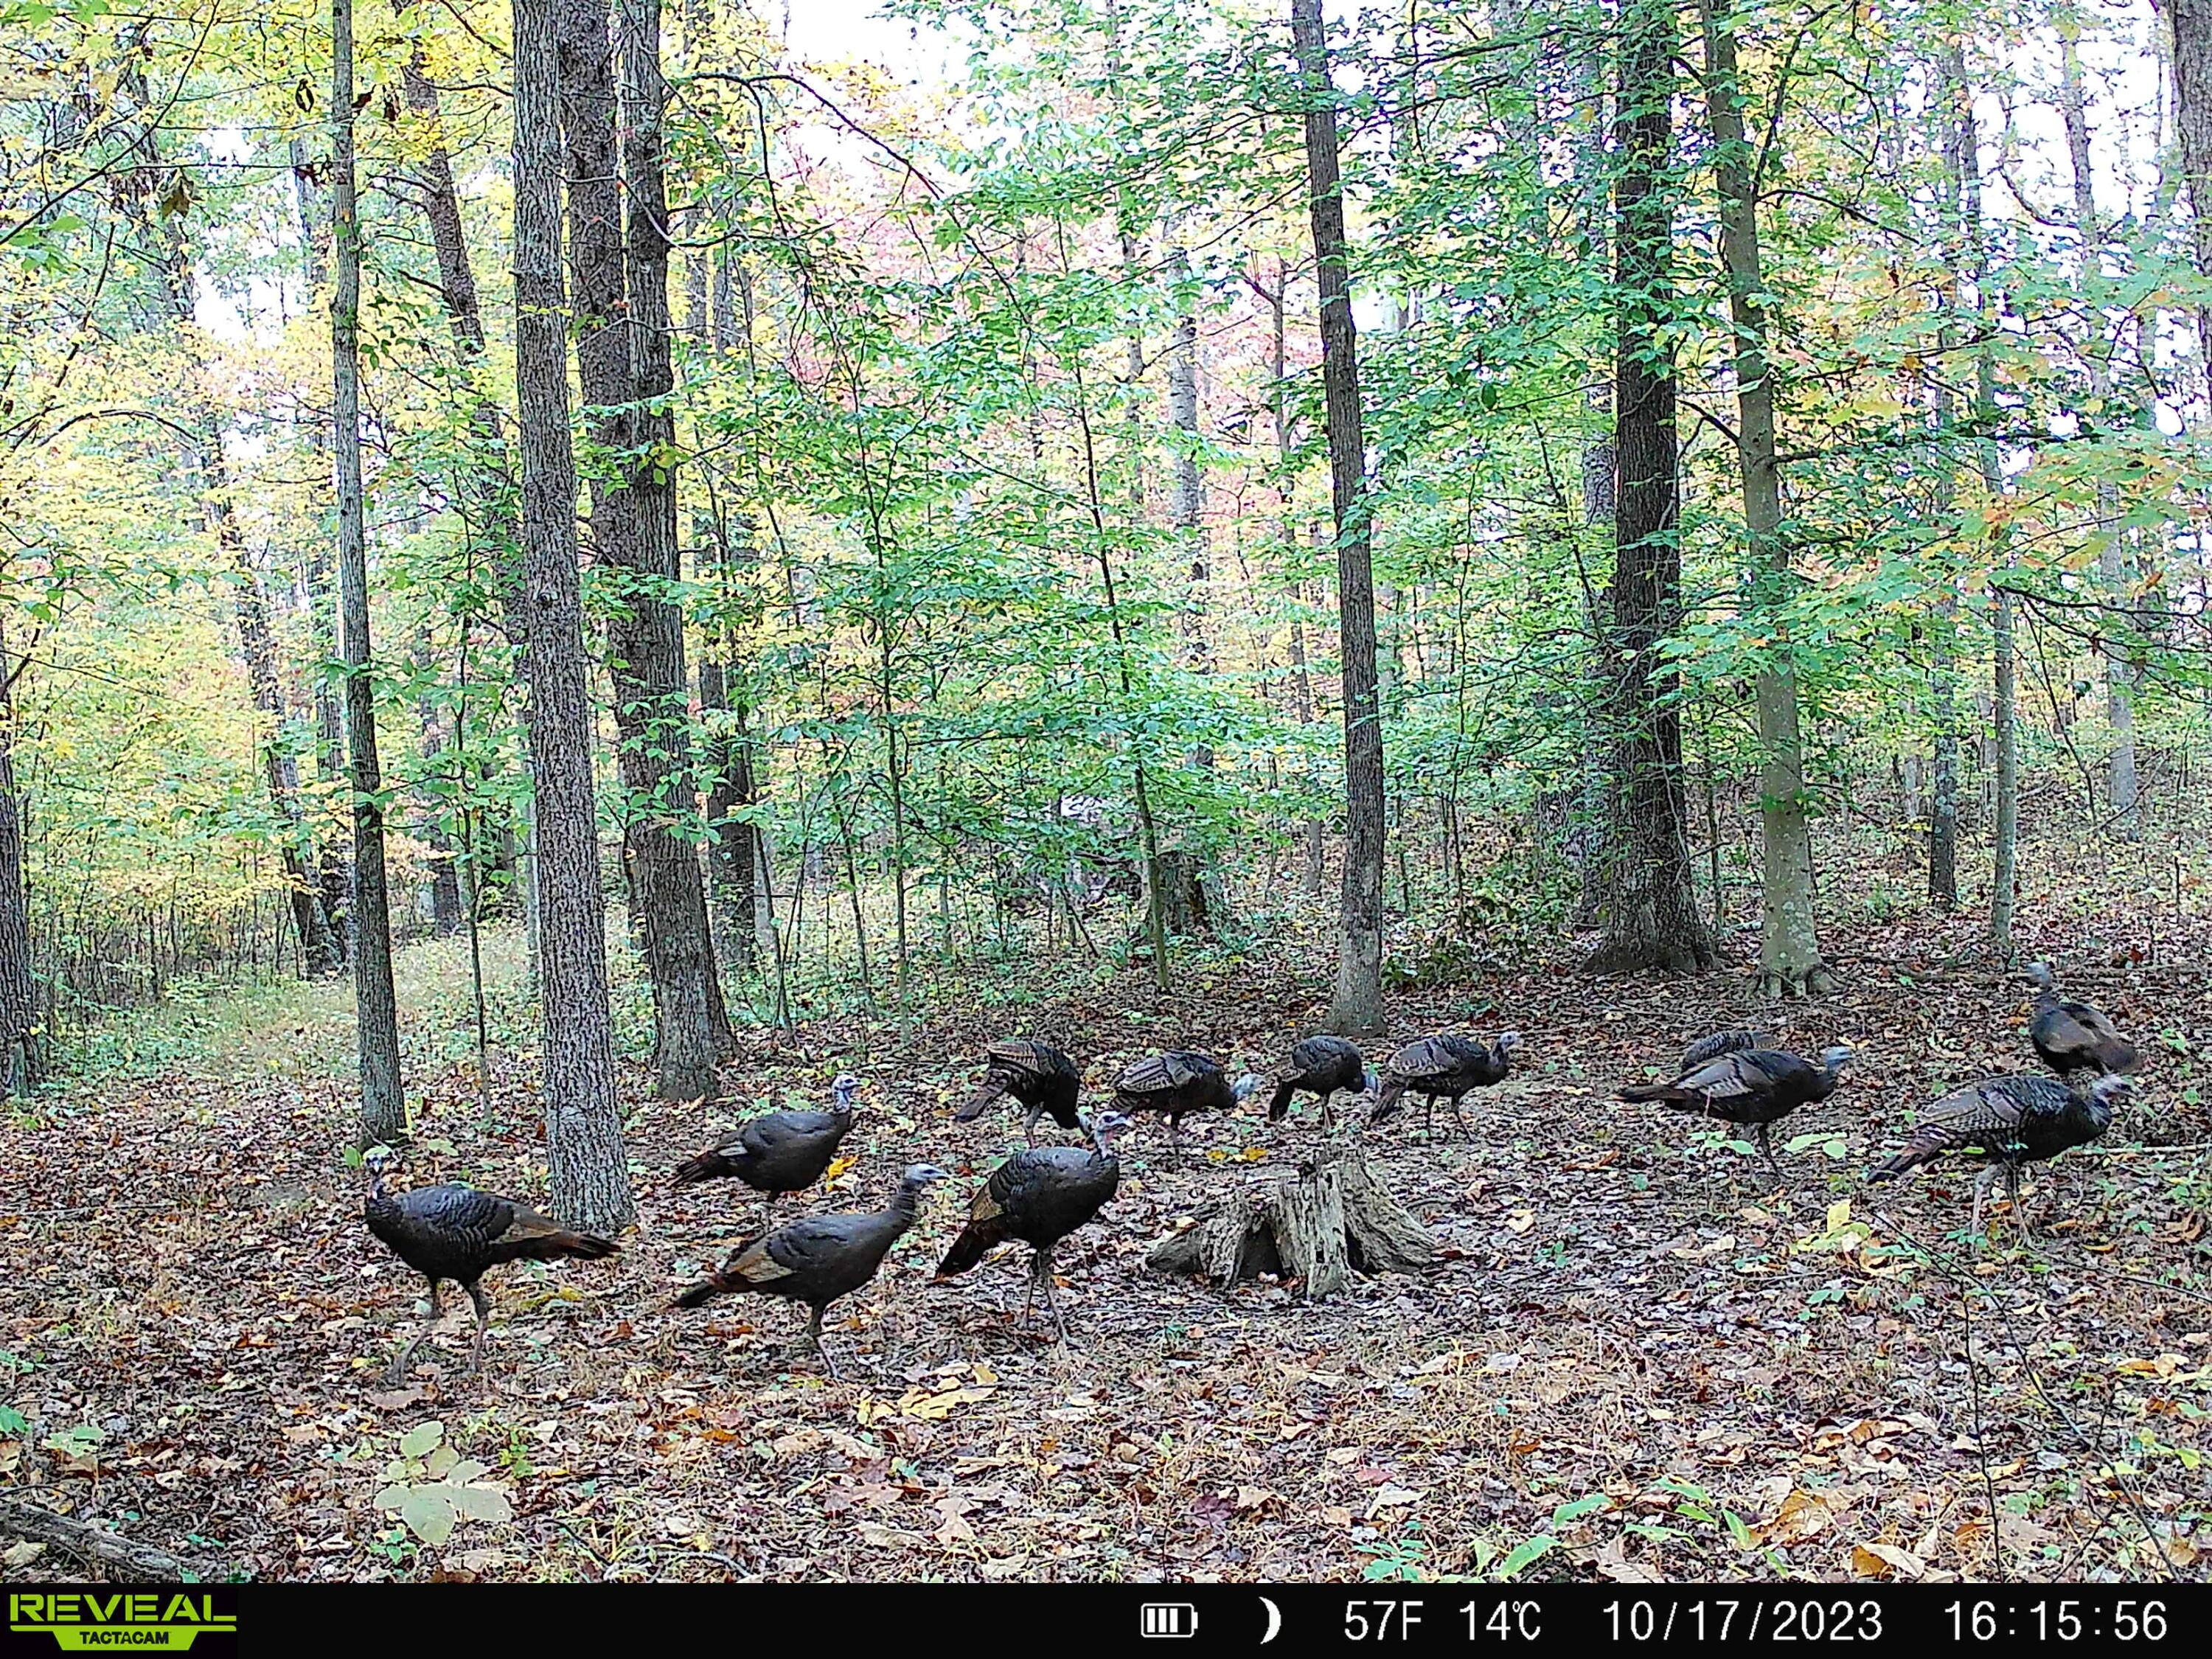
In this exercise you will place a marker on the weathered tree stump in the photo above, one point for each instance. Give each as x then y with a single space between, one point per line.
1314 1224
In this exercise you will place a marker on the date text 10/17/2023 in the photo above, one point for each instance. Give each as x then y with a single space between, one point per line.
2041 1618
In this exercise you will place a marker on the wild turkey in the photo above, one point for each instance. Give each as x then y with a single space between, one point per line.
2073 1037
456 1232
1441 1068
1035 1073
1040 1197
1321 1066
818 1258
1178 1083
2009 1122
781 1151
1756 1087
1736 1042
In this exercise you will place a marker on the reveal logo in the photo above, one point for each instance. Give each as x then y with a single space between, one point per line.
126 1621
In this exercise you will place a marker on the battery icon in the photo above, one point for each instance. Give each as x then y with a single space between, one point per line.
1167 1619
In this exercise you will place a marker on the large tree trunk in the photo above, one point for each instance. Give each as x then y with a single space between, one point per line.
22 1046
1357 1007
383 1101
633 538
1789 962
1651 916
646 658
590 1172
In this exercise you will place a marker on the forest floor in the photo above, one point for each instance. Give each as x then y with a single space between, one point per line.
1632 1361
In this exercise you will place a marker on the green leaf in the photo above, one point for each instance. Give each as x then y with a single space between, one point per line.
418 1440
1526 1553
480 1503
429 1513
1589 1504
12 1421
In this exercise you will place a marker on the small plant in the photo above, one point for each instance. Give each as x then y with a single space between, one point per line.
1400 1560
433 1488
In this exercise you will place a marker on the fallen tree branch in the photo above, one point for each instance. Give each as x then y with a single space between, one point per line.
96 1543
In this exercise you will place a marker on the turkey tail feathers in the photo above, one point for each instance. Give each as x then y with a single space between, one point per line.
584 1247
707 1166
1389 1101
1279 1106
993 1092
975 1242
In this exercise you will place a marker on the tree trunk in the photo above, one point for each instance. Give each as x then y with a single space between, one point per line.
1652 919
1357 1008
1789 963
333 871
383 1102
446 918
1312 832
590 1171
2111 557
1972 291
645 636
22 1044
2192 119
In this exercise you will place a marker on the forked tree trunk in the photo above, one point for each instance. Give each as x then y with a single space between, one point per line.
1789 963
590 1171
1357 1007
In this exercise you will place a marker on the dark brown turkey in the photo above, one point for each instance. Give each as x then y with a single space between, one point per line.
1039 1197
1321 1066
1441 1068
1755 1087
1036 1074
1176 1084
2009 1122
456 1232
2074 1039
818 1258
780 1151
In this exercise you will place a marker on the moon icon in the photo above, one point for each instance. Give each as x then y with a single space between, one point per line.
1274 1621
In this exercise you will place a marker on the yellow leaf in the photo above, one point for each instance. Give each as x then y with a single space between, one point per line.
1840 1215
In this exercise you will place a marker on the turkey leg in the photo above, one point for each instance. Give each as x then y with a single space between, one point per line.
437 1312
814 1334
483 1320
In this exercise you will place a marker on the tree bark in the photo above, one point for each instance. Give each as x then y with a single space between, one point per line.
1789 962
2192 21
590 1172
645 651
383 1100
1357 1007
1651 915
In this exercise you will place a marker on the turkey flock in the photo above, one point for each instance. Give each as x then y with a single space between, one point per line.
1041 1196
